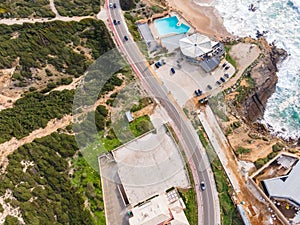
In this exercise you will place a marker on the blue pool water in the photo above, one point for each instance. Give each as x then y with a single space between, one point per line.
169 25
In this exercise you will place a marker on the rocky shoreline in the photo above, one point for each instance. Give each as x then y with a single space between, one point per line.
265 80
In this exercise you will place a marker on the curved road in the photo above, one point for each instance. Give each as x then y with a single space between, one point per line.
188 136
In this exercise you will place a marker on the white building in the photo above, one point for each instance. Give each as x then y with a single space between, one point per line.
199 49
163 209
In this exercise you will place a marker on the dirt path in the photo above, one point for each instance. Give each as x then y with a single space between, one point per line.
54 10
26 20
8 147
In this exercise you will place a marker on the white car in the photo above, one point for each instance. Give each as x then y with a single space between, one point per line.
202 186
111 5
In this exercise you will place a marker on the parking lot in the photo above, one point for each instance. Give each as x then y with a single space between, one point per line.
189 77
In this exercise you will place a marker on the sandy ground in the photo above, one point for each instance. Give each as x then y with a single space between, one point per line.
203 18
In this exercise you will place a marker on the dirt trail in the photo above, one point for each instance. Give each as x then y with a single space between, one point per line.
8 147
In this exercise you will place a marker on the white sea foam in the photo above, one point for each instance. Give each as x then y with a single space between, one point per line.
282 21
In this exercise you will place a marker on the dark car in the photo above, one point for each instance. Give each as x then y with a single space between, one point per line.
159 63
226 75
115 5
196 93
218 83
119 22
209 87
172 70
125 38
202 186
224 65
227 67
203 100
200 92
222 79
115 22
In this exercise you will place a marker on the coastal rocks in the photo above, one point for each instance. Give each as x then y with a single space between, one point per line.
265 79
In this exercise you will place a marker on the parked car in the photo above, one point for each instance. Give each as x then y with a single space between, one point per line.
226 75
119 22
218 83
200 92
156 65
222 79
209 87
115 22
202 185
115 5
224 64
125 38
227 67
196 93
110 5
203 100
172 70
159 63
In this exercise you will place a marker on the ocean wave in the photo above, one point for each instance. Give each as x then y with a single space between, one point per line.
282 23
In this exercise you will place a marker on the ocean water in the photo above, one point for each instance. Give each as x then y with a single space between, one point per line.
281 18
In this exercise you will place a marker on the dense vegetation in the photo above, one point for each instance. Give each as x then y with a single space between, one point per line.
43 191
127 4
77 7
52 43
25 8
32 112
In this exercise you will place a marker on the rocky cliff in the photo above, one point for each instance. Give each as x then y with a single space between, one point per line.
265 79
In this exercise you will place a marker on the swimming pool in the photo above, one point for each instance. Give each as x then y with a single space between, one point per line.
169 25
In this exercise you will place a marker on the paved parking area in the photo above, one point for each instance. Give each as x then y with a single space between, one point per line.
188 77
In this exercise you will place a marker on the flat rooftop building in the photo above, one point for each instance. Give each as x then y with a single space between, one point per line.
285 187
150 165
162 209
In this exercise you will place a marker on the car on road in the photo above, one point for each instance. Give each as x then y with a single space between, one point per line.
202 186
125 38
111 5
115 5
222 79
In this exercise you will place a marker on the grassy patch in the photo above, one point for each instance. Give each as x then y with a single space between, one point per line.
228 57
241 150
87 182
141 125
229 214
190 199
216 104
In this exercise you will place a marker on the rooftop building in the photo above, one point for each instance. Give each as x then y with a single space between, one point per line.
285 187
167 208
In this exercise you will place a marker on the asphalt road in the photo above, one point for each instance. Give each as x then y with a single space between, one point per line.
188 134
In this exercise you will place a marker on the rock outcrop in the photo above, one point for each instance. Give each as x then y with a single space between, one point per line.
265 78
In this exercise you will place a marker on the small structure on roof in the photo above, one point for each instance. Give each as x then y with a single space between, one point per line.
163 209
129 116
